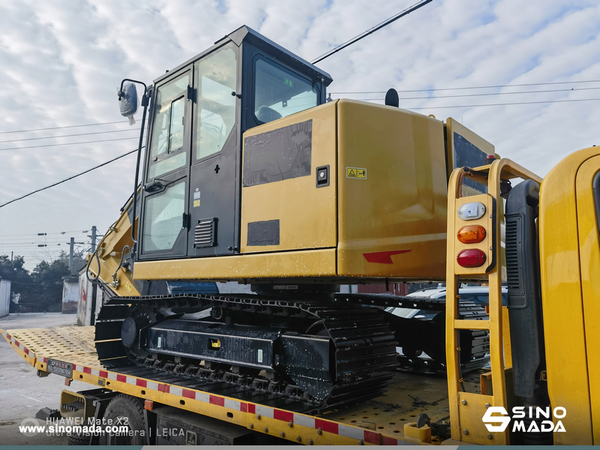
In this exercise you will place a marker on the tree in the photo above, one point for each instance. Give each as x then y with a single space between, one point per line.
49 284
79 259
15 272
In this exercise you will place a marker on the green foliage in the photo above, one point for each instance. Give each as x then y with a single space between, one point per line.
42 288
49 284
16 273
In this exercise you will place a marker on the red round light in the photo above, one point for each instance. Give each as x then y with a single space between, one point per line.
472 257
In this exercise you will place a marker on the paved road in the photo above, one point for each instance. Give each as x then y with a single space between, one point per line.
22 393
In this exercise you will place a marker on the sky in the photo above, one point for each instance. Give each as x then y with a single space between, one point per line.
61 63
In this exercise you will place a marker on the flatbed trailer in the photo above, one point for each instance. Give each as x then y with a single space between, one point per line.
387 420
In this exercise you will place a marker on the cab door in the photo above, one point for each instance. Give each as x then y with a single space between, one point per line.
163 233
215 159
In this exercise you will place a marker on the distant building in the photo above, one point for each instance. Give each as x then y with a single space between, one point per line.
70 295
86 300
4 297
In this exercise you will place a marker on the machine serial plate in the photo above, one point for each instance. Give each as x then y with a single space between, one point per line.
60 368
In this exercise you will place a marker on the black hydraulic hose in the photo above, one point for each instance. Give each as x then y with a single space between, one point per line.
97 278
123 253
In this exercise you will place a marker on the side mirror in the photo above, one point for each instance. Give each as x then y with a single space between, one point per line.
128 101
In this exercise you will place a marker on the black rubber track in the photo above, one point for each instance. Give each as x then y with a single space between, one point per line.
364 349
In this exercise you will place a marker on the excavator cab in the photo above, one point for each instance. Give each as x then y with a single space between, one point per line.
191 195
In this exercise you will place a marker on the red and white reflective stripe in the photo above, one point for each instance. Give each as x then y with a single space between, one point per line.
305 421
264 411
233 404
351 432
358 434
19 345
202 397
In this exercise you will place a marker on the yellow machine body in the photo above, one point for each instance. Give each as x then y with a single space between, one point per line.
570 274
382 214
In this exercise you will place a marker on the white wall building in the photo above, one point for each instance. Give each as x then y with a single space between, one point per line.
70 295
84 305
4 297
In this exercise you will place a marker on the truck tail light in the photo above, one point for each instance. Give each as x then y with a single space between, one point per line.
472 257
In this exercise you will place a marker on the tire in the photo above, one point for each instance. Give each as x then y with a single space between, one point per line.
124 410
77 439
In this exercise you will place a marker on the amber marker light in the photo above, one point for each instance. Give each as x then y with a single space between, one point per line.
472 257
471 234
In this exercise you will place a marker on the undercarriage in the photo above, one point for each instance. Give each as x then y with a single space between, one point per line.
324 353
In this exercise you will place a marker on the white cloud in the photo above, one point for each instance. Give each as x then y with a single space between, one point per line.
62 62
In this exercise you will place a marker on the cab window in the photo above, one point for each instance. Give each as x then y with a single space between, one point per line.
279 92
216 79
162 218
167 142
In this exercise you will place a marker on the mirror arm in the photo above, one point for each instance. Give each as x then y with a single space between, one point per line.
144 102
132 81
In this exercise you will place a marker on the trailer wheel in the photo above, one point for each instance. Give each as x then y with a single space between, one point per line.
126 413
78 439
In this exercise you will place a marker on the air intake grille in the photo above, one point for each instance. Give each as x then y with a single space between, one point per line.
512 254
205 233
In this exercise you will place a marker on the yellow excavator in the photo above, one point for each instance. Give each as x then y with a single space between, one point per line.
250 175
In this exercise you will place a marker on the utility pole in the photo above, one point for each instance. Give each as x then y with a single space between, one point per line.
93 238
72 244
72 249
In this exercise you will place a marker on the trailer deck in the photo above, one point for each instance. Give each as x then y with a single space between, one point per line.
388 419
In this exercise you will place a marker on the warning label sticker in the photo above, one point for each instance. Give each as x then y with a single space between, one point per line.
356 172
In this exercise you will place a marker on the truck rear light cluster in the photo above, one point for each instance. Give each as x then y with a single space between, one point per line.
473 234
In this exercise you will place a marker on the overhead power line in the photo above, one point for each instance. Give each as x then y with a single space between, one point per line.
469 87
35 235
27 244
486 94
67 179
372 30
56 240
30 242
68 143
495 104
69 126
69 135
